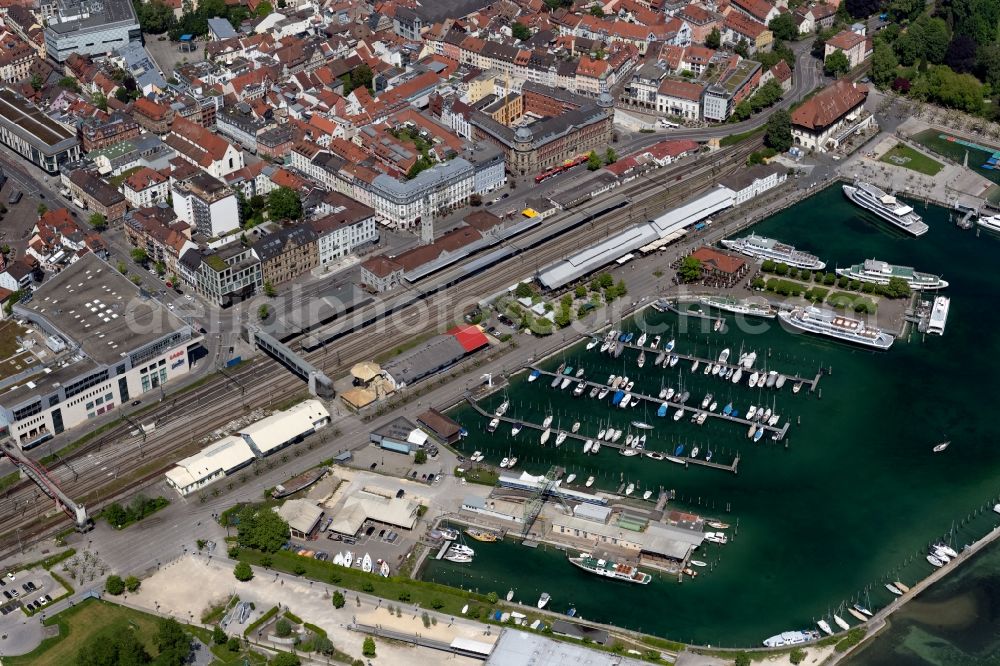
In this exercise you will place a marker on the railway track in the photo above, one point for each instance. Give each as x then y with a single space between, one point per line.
230 394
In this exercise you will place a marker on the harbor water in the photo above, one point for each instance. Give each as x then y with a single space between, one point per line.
848 501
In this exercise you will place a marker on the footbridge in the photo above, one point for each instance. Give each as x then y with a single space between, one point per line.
37 473
319 384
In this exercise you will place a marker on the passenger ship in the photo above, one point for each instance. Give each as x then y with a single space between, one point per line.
745 307
833 325
610 569
887 207
760 247
879 272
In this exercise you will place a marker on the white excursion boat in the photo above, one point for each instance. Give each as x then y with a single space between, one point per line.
743 307
788 638
880 272
761 247
837 326
887 207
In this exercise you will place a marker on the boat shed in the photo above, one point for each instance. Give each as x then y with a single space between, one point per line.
286 427
435 355
441 427
534 483
399 435
599 514
580 631
213 462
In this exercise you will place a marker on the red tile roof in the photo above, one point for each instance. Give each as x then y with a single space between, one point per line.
144 178
681 89
845 40
717 260
829 105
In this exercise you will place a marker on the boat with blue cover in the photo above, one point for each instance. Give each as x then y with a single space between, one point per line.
617 397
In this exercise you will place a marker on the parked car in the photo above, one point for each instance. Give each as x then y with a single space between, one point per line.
400 493
10 576
47 597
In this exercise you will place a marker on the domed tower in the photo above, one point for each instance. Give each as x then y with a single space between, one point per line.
606 102
523 150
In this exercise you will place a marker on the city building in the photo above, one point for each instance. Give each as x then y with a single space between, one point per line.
825 119
15 62
287 253
145 188
680 98
106 344
223 275
739 28
237 123
348 226
735 85
205 150
217 460
852 44
41 140
753 181
716 264
90 27
207 204
380 274
58 239
91 192
158 231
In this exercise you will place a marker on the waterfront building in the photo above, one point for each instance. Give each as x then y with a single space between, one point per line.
107 344
754 181
824 120
720 266
40 139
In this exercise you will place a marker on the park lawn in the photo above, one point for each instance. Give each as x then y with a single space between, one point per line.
78 624
904 156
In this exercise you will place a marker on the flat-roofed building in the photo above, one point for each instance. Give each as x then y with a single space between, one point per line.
206 203
116 345
43 141
210 464
90 27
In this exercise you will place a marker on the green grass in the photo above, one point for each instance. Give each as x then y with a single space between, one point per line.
428 595
482 475
261 621
9 480
908 158
734 139
406 346
78 624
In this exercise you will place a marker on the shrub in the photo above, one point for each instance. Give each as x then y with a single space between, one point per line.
437 603
338 600
743 659
132 583
283 628
368 586
368 647
299 569
233 644
243 572
114 585
797 656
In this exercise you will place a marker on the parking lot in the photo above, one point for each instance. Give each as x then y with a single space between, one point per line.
31 589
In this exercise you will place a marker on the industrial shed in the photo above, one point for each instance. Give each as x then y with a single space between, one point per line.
286 427
211 463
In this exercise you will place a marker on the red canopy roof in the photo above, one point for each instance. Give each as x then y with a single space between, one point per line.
470 337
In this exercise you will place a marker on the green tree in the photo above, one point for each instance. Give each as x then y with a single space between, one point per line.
783 26
122 268
262 529
714 39
132 583
934 36
884 64
112 646
233 644
269 289
114 585
69 83
284 203
42 209
778 132
283 628
98 222
219 636
154 17
37 82
743 659
580 291
897 288
361 77
338 599
368 647
173 643
523 290
139 256
836 64
285 659
323 645
263 9
161 268
690 269
595 10
243 572
593 161
610 156
520 31
263 312
420 457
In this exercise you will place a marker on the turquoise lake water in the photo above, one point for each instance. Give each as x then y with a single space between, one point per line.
851 501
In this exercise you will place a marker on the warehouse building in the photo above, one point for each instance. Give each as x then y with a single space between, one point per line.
210 464
399 435
438 353
302 517
371 506
36 137
285 428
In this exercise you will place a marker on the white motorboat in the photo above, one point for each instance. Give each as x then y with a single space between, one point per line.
724 355
545 435
590 481
708 369
615 437
935 561
641 425
513 461
383 569
647 494
629 488
604 346
780 381
366 563
694 452
940 555
892 588
603 431
597 447
797 387
654 455
628 439
694 365
629 452
773 421
504 462
642 359
641 341
603 393
841 622
547 422
338 559
748 360
593 343
706 401
702 417
515 429
765 416
626 399
494 424
679 414
946 549
502 409
753 379
713 406
571 478
461 548
588 445
737 376
560 438
566 381
579 372
941 447
543 600
348 558
751 412
630 385
825 626
716 368
670 345
698 563
510 594
576 426
670 394
656 342
458 558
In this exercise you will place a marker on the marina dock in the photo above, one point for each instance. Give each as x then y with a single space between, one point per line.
581 438
811 383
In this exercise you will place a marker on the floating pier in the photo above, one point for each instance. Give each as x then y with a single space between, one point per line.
581 438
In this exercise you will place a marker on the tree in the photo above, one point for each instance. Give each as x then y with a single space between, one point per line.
897 288
139 256
263 312
37 82
112 646
323 645
361 77
69 83
742 49
523 290
520 31
243 572
161 268
778 133
219 636
884 64
98 222
42 209
233 644
154 17
743 659
934 36
122 268
610 156
420 457
593 161
368 647
338 599
862 8
580 291
475 199
263 9
836 64
961 54
114 585
173 643
283 628
783 26
262 529
988 58
285 659
132 583
690 270
283 203
269 289
901 10
595 10
714 39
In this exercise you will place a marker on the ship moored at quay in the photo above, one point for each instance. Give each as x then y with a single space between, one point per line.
832 325
886 206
